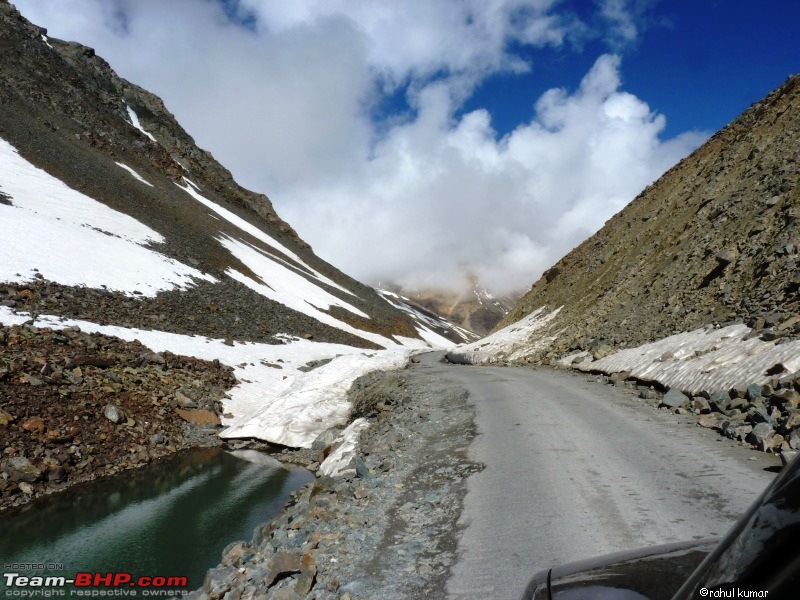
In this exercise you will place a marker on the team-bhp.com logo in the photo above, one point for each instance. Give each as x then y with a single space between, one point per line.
92 584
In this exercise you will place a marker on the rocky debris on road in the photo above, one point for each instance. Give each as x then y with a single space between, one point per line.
76 406
675 399
765 417
388 528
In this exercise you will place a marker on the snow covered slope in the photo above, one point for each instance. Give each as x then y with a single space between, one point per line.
48 225
46 222
103 190
513 342
432 328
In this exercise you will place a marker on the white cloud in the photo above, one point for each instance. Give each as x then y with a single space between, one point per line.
443 197
621 20
421 197
624 21
419 37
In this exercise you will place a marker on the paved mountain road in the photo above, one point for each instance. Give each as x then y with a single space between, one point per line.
575 468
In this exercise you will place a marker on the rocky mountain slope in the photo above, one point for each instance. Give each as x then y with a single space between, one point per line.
65 111
716 240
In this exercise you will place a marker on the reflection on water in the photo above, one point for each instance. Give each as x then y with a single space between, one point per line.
170 518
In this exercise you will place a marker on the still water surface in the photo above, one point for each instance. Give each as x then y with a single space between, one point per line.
170 518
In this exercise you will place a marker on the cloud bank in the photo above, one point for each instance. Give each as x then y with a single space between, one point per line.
347 114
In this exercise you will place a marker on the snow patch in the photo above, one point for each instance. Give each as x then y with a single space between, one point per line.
135 122
287 287
337 461
316 400
705 359
134 173
75 240
283 286
233 219
424 323
435 340
46 41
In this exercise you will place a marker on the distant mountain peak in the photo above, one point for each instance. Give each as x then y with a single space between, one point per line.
473 307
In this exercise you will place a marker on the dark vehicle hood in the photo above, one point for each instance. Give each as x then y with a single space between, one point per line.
653 573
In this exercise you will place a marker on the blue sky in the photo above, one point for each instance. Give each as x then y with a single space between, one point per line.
426 142
700 63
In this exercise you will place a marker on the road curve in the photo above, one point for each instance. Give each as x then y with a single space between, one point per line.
576 468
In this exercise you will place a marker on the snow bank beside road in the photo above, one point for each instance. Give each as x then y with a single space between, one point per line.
706 359
313 402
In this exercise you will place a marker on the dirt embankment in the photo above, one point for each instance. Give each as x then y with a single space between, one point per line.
76 406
